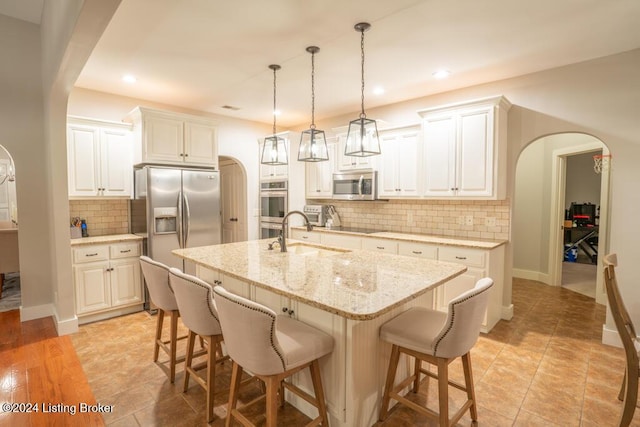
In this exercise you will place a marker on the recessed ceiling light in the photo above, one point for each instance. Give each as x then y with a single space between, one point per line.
378 90
129 78
442 74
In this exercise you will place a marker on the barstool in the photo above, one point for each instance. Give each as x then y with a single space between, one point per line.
437 338
199 314
156 275
272 348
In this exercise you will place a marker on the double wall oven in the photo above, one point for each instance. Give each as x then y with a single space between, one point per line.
274 203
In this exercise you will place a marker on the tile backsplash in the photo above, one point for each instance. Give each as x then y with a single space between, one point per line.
103 216
487 219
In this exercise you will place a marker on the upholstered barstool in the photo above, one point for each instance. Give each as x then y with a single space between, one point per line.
272 348
156 275
629 389
437 338
200 316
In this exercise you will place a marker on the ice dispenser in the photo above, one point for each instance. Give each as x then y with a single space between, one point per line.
165 220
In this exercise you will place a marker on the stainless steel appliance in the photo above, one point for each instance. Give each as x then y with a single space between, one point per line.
356 185
273 200
270 230
176 208
316 214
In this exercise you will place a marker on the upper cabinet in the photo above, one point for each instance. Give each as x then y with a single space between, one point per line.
399 164
345 163
465 149
319 176
172 138
99 158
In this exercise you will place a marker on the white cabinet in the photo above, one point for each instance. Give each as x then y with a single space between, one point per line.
480 263
305 236
173 138
99 158
341 240
398 169
380 245
465 149
419 250
346 163
319 176
107 280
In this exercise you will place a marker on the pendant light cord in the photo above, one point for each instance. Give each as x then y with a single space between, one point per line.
274 99
313 92
362 114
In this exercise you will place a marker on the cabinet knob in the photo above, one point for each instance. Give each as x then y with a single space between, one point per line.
181 155
186 155
217 282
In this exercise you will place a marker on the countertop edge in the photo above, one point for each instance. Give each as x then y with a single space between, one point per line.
419 238
110 238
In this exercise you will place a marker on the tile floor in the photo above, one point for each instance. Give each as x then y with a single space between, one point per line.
545 367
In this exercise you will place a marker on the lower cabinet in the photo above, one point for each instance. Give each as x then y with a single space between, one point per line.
108 280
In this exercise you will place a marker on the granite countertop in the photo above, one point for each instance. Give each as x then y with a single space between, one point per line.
418 238
358 284
113 238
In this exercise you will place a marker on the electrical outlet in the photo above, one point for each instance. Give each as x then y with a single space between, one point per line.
490 221
468 220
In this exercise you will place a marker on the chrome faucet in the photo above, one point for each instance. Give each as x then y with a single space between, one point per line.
282 238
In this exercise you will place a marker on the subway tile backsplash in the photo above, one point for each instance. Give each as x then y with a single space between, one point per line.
486 219
103 217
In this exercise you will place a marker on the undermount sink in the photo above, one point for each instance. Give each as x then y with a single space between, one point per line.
310 250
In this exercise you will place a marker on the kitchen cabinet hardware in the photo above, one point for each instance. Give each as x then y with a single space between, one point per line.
217 282
417 252
289 311
125 252
461 257
94 254
305 237
380 247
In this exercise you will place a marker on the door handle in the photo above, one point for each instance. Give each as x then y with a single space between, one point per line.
180 221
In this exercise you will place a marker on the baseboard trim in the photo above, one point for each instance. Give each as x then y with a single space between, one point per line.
532 275
66 327
36 312
611 337
507 312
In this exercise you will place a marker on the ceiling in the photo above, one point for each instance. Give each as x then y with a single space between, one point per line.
205 54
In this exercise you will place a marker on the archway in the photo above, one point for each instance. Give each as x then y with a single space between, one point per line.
10 295
539 208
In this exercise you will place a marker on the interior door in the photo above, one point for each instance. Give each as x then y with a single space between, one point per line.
232 206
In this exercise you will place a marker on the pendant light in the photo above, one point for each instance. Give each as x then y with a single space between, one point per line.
362 139
313 143
274 151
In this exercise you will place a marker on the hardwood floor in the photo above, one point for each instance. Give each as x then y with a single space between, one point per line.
42 371
545 367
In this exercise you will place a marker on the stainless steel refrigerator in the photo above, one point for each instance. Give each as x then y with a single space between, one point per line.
176 208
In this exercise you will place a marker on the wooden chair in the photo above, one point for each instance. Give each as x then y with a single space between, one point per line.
437 338
156 276
200 315
272 348
629 390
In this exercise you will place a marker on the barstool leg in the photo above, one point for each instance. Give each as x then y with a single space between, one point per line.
319 391
173 341
188 359
273 385
416 370
388 386
236 377
468 380
443 391
211 376
156 345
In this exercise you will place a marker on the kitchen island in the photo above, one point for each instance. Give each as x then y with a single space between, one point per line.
346 293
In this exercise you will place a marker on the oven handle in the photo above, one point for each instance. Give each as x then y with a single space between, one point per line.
360 182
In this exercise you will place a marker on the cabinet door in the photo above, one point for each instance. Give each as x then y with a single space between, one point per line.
126 284
398 173
305 236
277 303
163 139
341 240
475 152
201 144
115 162
380 245
319 177
92 287
388 173
351 162
439 155
457 286
83 157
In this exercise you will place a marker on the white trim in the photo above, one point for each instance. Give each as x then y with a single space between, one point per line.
103 315
36 312
532 275
611 337
507 312
66 327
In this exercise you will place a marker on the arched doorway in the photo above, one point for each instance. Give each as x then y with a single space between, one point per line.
10 295
233 192
539 233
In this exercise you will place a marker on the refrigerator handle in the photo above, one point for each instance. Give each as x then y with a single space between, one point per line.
180 222
187 223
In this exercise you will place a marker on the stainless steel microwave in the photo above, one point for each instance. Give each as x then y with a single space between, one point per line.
356 185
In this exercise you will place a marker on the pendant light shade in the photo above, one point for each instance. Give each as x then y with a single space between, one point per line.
313 143
274 150
362 138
